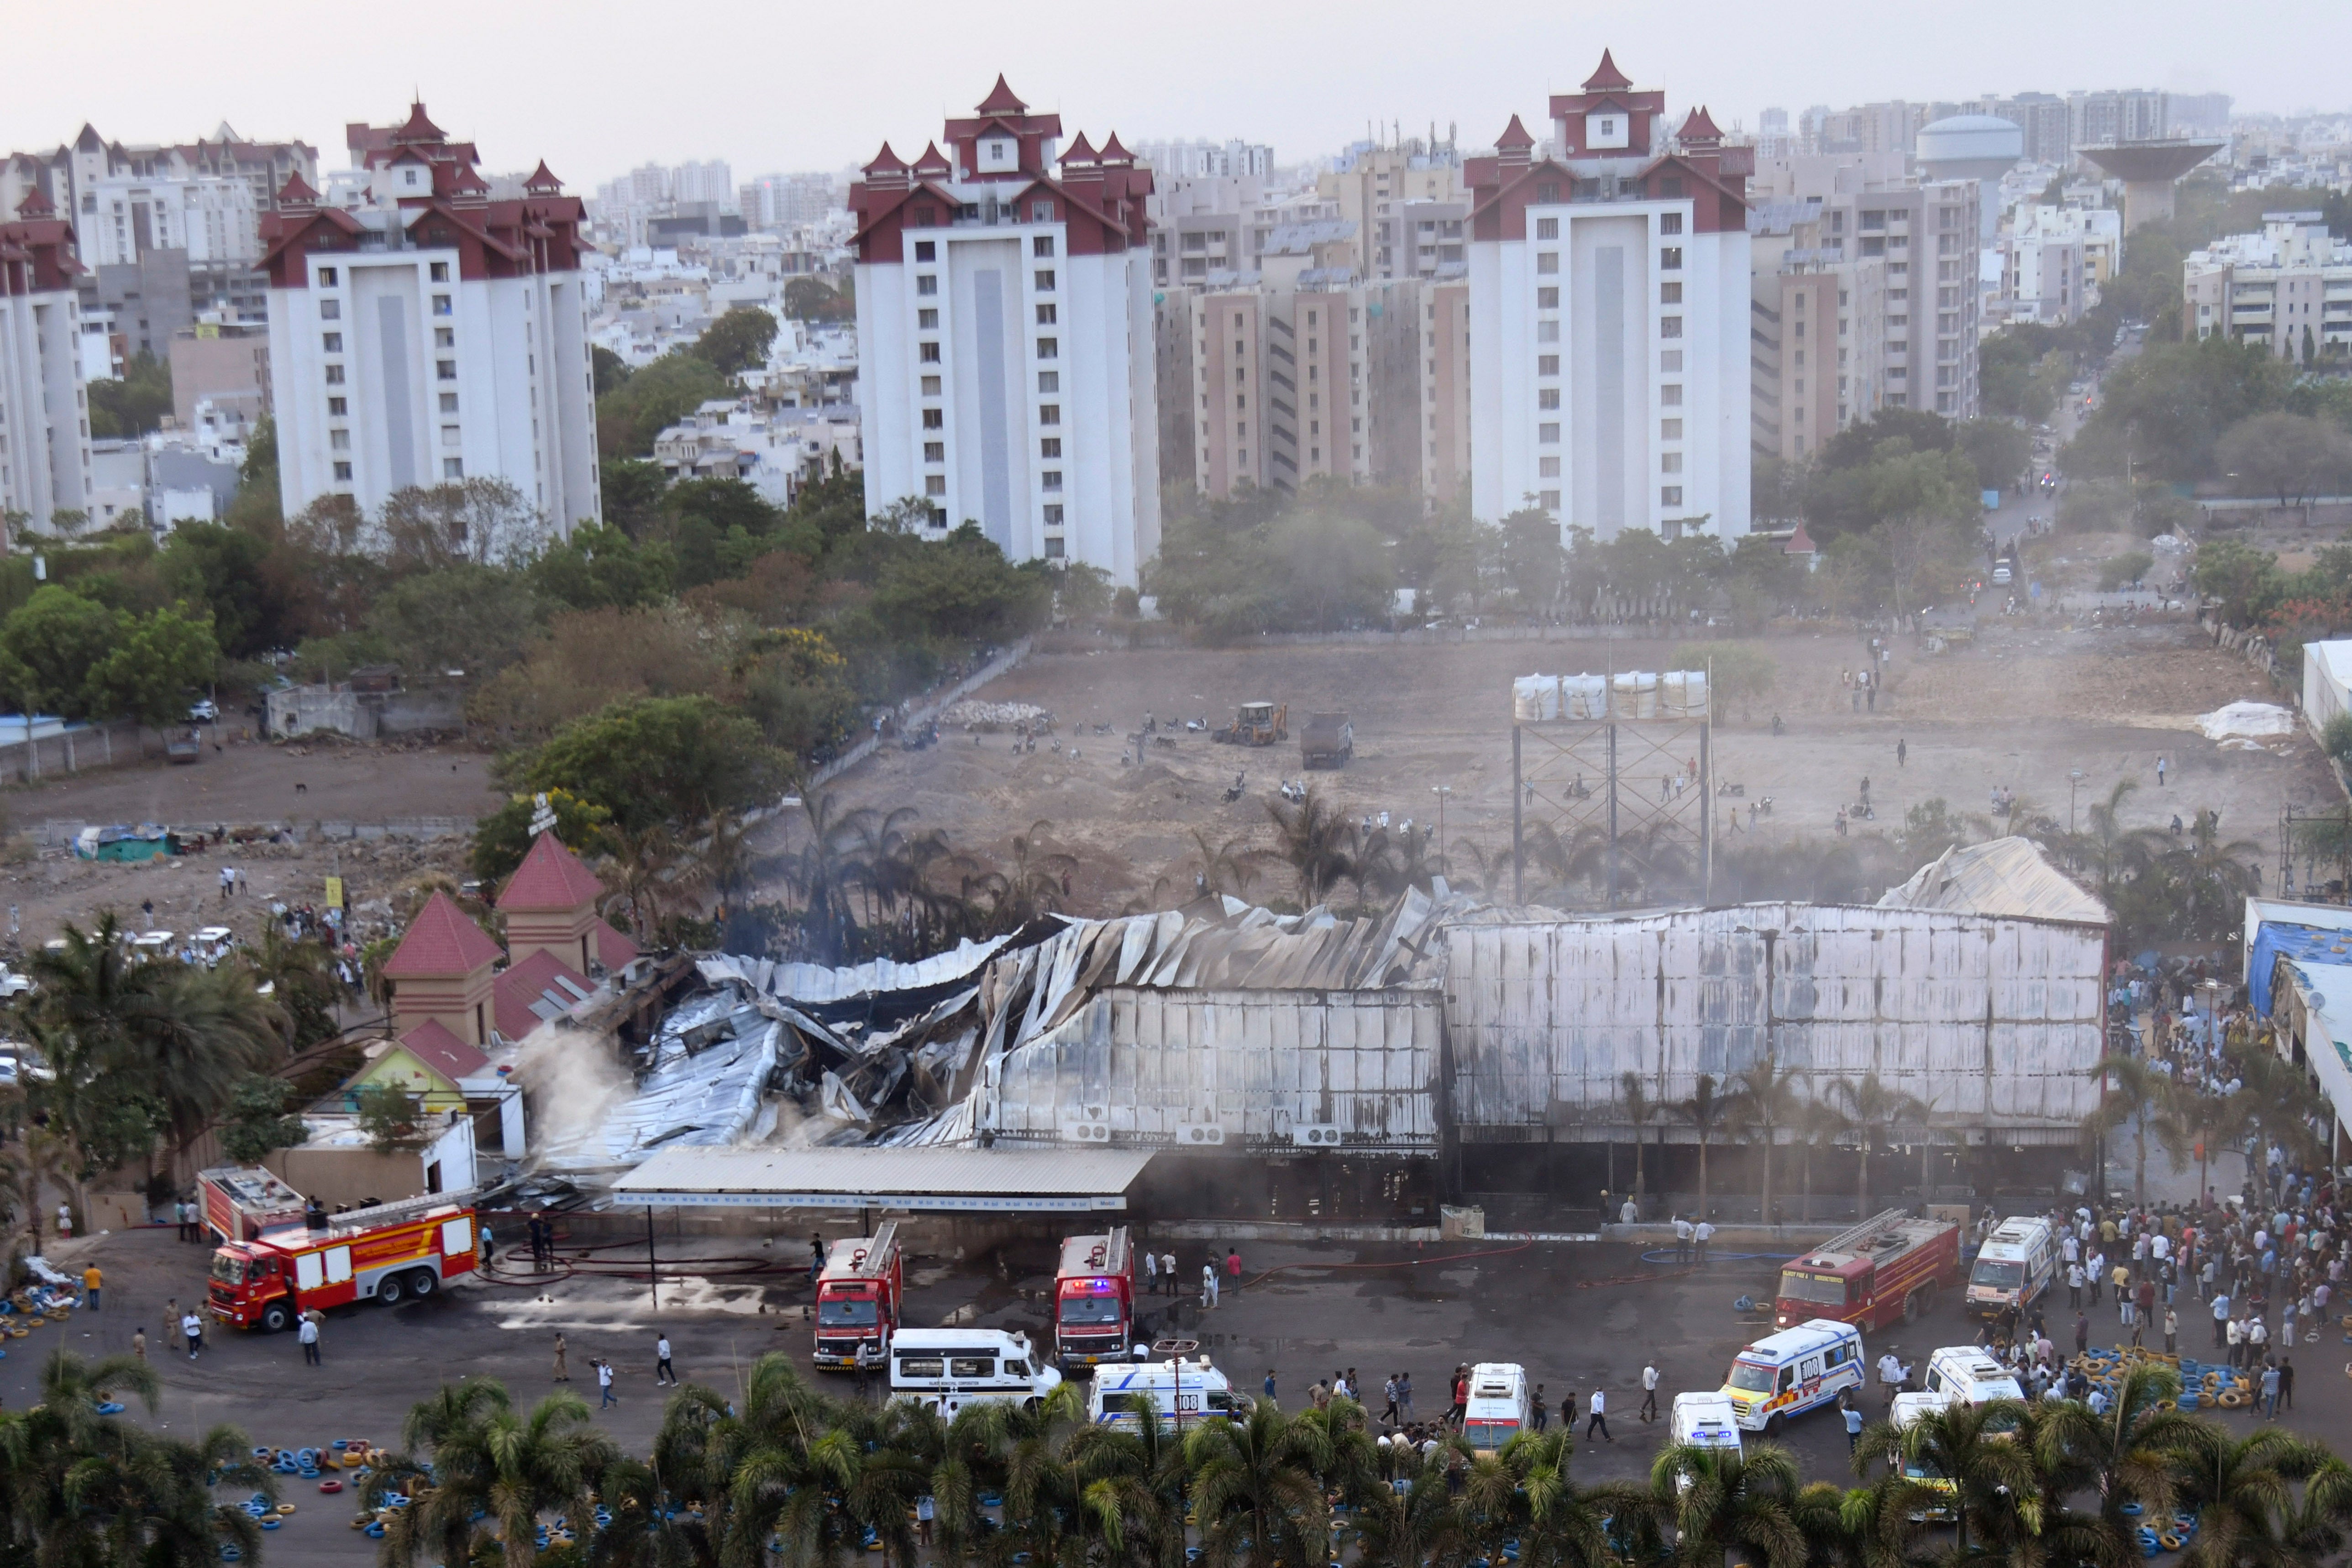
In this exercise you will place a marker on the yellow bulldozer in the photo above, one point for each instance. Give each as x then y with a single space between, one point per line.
1255 724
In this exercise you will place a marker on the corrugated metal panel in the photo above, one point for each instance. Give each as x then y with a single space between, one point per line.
1152 1063
2008 876
1995 1020
966 1171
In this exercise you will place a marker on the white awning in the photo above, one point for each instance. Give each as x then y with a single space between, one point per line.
936 1180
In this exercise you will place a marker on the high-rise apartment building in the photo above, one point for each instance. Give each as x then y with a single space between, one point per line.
45 459
1179 159
1609 319
2288 288
2044 116
1408 205
1005 337
427 334
787 200
212 217
2133 114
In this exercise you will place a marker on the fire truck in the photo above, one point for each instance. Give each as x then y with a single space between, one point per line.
858 1296
387 1252
1094 1300
1888 1267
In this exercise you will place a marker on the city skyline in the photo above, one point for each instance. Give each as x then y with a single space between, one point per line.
688 103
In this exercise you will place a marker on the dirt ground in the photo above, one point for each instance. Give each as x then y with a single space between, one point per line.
47 886
2027 705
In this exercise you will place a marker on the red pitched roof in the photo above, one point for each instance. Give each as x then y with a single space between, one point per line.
885 162
933 160
613 949
1112 153
296 192
1700 127
1606 76
1514 135
543 181
442 1052
419 128
1002 99
443 943
551 877
1081 152
35 205
522 984
1799 541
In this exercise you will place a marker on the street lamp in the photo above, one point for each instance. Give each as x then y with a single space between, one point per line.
2073 783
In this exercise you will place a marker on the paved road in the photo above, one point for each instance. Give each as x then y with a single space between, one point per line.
1378 1308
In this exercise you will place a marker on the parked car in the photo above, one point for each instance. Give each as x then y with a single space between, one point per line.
204 710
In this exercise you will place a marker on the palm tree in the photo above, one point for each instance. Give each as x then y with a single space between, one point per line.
1871 1106
1226 868
1641 1111
301 984
2241 1490
1705 1111
1763 1102
1257 1488
1877 1525
2125 1456
1994 1477
2137 1096
1817 1121
1316 839
196 1035
492 1468
2113 848
1731 1501
1424 1523
2211 1122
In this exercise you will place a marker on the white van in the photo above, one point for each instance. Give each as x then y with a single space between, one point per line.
1185 1391
1971 1376
1498 1410
2017 1263
1796 1370
1907 1409
947 1369
1703 1421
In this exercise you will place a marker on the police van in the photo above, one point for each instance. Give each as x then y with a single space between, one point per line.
947 1369
1796 1370
1185 1391
1498 1408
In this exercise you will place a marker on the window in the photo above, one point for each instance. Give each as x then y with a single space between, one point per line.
1049 380
1052 513
1045 280
1546 191
1548 435
451 437
337 407
1670 430
1670 495
1670 395
933 419
448 402
445 337
1053 547
930 386
1041 212
1670 258
1049 413
1548 467
935 485
440 273
1547 364
1548 299
339 440
927 320
444 370
1049 446
331 309
1670 463
926 250
1548 397
1046 316
1549 500
441 305
921 1367
1042 245
326 278
1671 361
1051 479
927 282
331 341
1547 229
935 451
1670 326
929 353
1670 223
1670 293
343 472
1546 262
334 375
453 468
1048 348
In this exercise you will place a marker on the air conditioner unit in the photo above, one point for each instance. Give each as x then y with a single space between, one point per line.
1200 1134
1314 1135
1086 1125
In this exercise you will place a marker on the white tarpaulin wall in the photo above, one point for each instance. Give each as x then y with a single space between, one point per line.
1997 1021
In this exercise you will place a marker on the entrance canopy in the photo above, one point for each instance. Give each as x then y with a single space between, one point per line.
932 1180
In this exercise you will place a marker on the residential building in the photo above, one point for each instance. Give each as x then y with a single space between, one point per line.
45 457
1179 159
995 297
1609 319
2288 287
776 451
1929 309
2134 114
787 200
2046 119
2100 230
224 363
1817 317
2043 279
1407 202
213 218
2198 114
428 334
76 175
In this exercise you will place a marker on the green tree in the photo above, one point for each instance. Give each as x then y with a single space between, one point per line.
54 640
816 298
2141 1099
134 404
1706 1112
600 567
504 836
1315 837
1529 557
392 1117
256 1124
493 1469
2163 412
1764 1101
1733 1502
156 666
2291 455
2241 1490
739 340
653 398
2246 581
2120 570
1257 1489
608 368
656 761
1996 1489
1872 1107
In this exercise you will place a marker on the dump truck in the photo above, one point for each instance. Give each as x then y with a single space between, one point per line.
1255 724
1327 741
858 1297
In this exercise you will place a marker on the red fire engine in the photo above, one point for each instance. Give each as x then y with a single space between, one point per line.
266 1273
1094 1300
858 1296
1888 1267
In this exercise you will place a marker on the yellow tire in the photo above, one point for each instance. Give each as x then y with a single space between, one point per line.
2169 1543
2233 1400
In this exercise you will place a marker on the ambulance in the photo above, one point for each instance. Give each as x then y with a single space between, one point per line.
1906 1410
947 1369
1184 1393
1499 1410
2017 1263
1703 1421
1799 1369
1971 1376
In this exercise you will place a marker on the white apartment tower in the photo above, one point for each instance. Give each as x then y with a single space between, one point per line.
44 410
1004 330
427 334
1608 298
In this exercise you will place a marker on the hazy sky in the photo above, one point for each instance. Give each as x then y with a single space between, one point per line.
598 86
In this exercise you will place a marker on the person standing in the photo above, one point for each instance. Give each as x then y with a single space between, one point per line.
308 1335
605 1383
2220 1317
1682 1241
1209 1286
1404 1395
90 1281
1901 751
1233 1267
1650 1390
1389 1391
192 1328
1150 1272
562 1373
2286 1382
2171 1332
1168 1273
1853 1426
2270 1392
2237 1343
139 1342
1701 1234
2159 770
926 1509
1268 1386
64 1222
869 1361
665 1372
1459 1412
1540 1413
1599 1420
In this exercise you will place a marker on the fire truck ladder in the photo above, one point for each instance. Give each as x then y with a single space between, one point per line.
402 1208
876 1251
1111 1257
1856 1238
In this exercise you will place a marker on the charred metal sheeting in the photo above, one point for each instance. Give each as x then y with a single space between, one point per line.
2008 876
1257 1066
1995 1022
